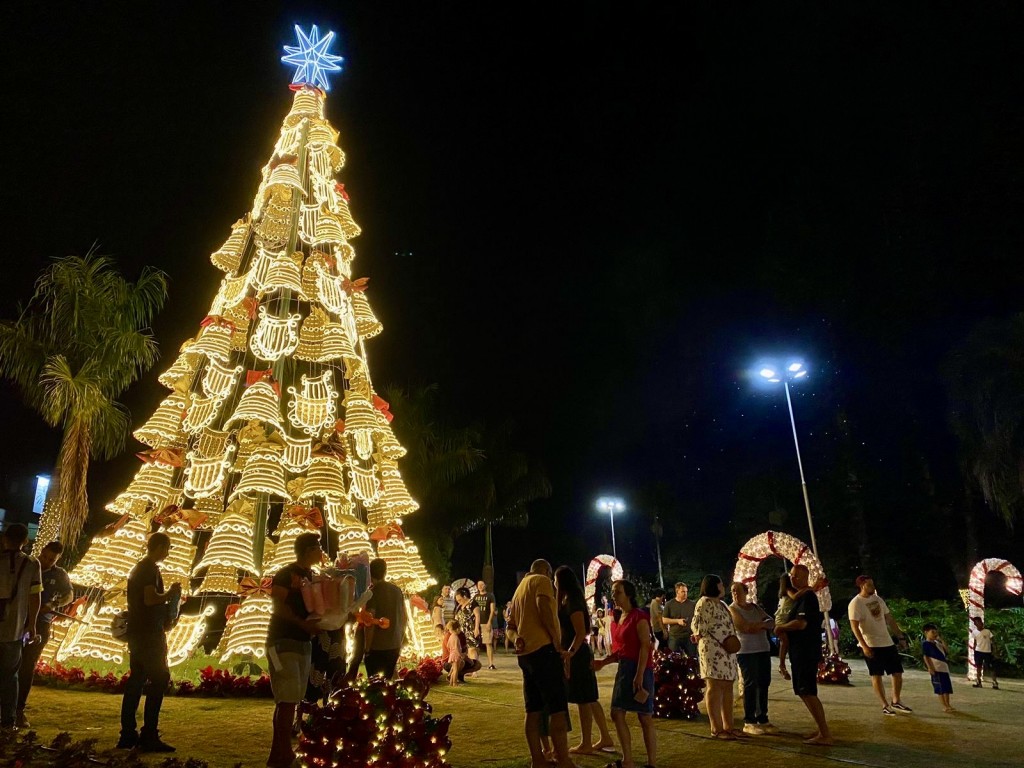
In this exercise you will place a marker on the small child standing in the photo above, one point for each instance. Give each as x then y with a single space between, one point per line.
936 659
982 637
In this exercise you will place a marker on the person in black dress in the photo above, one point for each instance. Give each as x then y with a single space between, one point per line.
581 683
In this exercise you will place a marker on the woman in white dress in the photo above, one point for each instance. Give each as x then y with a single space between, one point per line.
712 625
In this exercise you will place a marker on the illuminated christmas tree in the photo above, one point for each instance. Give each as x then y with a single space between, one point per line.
272 426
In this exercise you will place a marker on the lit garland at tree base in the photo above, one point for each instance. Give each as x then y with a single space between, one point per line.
678 687
832 670
378 723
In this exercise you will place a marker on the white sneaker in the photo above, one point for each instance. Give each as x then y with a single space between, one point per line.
769 728
753 730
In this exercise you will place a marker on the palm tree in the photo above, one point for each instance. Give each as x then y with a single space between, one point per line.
439 457
985 384
83 338
499 491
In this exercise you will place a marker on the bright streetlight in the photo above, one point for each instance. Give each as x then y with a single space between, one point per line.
611 505
793 371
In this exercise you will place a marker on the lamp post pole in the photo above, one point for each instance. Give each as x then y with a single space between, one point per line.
611 516
656 529
609 505
795 371
803 480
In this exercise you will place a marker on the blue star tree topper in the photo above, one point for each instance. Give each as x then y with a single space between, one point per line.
311 59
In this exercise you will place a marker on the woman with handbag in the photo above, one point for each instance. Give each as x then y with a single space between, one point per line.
717 645
754 658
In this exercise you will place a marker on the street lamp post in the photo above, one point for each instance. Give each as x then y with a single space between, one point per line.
611 506
794 371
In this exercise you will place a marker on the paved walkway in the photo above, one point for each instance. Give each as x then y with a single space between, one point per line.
985 732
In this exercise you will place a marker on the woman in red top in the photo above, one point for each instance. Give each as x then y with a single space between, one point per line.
633 690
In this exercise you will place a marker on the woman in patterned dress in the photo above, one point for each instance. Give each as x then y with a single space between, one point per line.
711 624
467 613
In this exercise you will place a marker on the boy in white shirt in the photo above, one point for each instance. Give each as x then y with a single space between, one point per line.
982 637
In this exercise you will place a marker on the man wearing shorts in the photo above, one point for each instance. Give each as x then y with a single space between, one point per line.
870 620
804 630
485 602
289 646
534 617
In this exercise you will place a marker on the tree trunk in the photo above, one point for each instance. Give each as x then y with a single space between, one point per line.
73 501
488 569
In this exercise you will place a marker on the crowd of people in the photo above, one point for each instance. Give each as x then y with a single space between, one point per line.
560 643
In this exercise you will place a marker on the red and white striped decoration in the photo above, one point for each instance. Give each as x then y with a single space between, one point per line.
976 599
599 562
776 544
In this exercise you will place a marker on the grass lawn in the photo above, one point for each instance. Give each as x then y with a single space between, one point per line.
487 727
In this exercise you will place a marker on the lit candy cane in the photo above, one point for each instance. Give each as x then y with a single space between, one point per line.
776 544
599 562
975 599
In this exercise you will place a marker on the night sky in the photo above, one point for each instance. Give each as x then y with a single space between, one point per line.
588 219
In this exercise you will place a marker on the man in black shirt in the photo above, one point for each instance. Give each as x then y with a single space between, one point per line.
148 622
384 645
289 650
804 630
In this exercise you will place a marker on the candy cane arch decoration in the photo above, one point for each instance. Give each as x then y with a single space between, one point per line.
776 544
467 583
599 562
975 599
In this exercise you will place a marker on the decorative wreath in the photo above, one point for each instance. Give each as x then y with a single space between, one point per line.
599 562
975 599
776 544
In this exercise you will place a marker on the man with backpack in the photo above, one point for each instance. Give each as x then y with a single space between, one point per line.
151 612
20 586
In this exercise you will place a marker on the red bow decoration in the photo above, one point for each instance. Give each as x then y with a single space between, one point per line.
253 377
250 304
72 610
249 587
307 517
173 513
117 524
340 189
171 456
223 322
296 87
231 610
383 406
330 447
418 602
355 286
367 619
346 563
168 515
389 531
328 258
